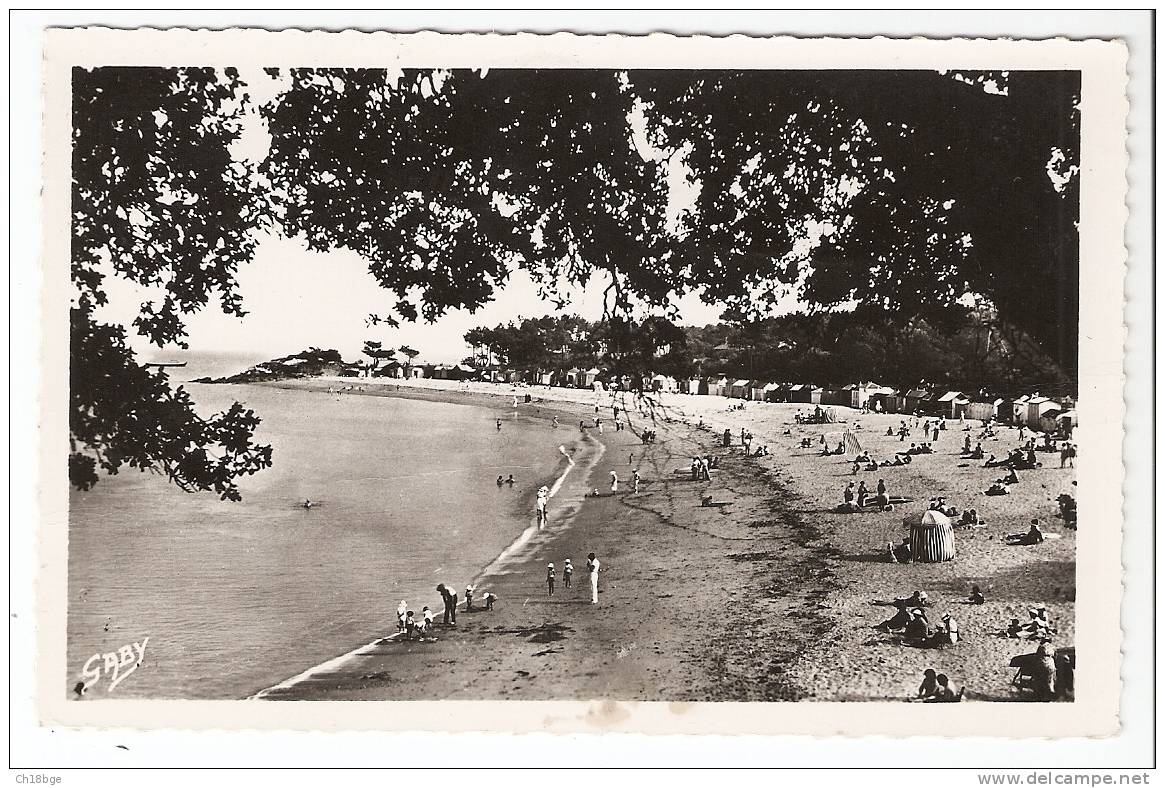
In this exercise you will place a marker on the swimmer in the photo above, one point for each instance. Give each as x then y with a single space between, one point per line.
498 422
307 504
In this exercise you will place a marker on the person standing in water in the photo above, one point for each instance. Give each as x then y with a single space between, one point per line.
593 569
498 422
635 480
614 482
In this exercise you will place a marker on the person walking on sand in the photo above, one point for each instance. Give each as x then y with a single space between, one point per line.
543 503
614 482
550 579
593 569
498 422
635 480
567 571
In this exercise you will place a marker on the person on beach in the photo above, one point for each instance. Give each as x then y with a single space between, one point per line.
498 422
401 612
976 597
1033 536
943 693
635 480
410 625
631 458
614 482
554 423
501 481
593 569
929 685
510 480
567 571
427 621
489 598
542 504
848 495
449 597
469 599
863 493
550 579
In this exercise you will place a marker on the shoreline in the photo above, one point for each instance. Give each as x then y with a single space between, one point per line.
661 526
770 597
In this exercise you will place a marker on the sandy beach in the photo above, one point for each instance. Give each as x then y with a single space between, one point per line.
767 596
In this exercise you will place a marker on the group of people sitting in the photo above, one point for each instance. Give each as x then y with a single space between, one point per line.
936 688
911 621
1039 626
647 436
856 500
921 448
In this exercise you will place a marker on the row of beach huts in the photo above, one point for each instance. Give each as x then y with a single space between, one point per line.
1033 410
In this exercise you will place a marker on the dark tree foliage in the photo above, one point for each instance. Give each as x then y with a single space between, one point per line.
157 199
932 186
903 192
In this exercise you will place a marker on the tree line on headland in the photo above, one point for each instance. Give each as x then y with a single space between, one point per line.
903 194
968 353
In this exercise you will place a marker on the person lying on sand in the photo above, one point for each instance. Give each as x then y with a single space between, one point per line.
1011 477
901 619
1033 536
997 489
976 597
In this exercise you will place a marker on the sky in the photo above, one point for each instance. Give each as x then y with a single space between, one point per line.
296 298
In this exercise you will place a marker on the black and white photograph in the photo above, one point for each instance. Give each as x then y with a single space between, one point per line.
410 378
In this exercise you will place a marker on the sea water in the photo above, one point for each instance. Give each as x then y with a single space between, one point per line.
235 597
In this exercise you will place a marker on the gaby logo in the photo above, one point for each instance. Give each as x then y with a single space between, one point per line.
114 665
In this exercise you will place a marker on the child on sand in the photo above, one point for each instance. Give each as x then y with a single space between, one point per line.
469 599
401 612
550 579
567 571
427 624
489 598
410 625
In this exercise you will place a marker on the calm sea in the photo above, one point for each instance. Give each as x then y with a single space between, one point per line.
235 597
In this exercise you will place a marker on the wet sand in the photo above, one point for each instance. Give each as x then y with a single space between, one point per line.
768 597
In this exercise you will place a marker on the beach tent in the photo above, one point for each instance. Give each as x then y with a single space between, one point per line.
836 395
1039 407
932 537
852 446
952 404
985 409
1019 409
916 399
885 400
775 392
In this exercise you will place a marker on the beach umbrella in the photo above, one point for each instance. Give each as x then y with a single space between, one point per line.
932 537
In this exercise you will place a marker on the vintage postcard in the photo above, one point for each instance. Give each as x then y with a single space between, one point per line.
582 383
